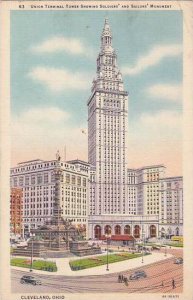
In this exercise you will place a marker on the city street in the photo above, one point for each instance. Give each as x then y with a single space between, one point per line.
159 280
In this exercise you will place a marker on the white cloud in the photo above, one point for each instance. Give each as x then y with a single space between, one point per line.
157 139
44 114
154 57
161 121
58 80
156 132
39 132
62 44
165 91
162 127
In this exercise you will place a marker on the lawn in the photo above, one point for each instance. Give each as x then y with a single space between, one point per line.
179 245
37 264
96 261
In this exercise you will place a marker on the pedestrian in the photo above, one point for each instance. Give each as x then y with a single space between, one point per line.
119 278
122 278
125 280
173 284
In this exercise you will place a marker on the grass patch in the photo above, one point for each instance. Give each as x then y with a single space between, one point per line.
91 262
178 245
150 244
37 264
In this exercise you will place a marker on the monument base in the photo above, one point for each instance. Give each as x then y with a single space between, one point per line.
46 250
81 248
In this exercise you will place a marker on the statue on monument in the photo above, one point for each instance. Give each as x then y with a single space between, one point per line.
58 157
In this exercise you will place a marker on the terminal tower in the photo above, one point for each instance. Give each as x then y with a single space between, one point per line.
107 135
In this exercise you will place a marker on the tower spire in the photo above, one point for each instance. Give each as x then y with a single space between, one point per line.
106 37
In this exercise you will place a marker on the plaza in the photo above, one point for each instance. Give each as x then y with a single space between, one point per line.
160 270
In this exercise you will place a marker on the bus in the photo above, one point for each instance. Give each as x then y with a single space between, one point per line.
176 238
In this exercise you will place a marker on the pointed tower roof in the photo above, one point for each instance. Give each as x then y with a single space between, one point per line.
106 29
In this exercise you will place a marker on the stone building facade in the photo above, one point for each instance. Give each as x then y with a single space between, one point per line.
37 182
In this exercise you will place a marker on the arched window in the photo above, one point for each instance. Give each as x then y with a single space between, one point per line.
97 232
108 229
169 231
152 231
163 233
136 232
127 229
177 231
117 229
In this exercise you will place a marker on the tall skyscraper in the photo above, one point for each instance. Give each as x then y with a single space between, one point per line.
121 201
107 132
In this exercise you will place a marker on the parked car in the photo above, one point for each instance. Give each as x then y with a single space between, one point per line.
155 248
178 261
30 279
137 275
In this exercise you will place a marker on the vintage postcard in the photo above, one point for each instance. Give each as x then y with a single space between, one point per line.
96 150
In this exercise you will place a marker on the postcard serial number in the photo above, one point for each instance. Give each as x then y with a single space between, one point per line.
171 296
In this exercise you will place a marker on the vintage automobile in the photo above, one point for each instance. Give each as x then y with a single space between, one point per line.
155 247
178 261
30 279
137 275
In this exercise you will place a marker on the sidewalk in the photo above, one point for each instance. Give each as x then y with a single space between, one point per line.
65 270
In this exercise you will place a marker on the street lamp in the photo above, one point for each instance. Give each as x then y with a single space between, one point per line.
32 246
142 235
142 245
165 250
164 235
108 236
162 239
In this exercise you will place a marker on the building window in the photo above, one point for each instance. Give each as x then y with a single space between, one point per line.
73 179
108 229
33 179
67 178
46 178
78 180
84 182
127 229
39 179
27 180
52 177
15 181
97 232
118 229
20 181
136 232
152 231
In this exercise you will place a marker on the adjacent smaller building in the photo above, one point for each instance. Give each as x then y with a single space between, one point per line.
16 211
36 181
143 190
171 206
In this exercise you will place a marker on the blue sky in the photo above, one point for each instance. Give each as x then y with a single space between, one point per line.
53 63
